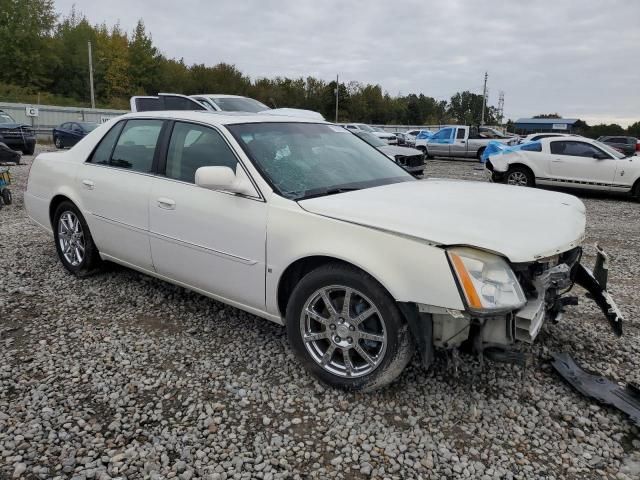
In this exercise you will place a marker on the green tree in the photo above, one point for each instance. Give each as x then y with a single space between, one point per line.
26 53
547 115
143 62
634 129
466 108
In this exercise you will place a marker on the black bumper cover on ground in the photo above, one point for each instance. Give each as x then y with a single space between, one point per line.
603 390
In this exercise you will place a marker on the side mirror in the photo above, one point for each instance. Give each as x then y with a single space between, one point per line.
223 178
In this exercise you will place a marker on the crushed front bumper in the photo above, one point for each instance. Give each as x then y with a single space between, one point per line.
595 282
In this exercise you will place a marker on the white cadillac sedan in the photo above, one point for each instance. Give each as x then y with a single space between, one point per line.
305 224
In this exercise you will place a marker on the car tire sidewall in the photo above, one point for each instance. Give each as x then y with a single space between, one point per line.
7 197
399 342
91 260
58 142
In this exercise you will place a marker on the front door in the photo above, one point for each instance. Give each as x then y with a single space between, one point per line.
115 184
581 164
439 144
211 240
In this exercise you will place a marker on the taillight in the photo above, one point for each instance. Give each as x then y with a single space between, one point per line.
638 146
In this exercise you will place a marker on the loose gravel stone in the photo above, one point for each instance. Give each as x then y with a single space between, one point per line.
123 376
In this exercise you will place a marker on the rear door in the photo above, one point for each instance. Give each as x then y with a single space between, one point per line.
581 164
115 183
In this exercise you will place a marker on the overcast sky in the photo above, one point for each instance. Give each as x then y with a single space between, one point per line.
580 58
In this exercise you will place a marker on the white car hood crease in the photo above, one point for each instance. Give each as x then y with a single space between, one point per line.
522 224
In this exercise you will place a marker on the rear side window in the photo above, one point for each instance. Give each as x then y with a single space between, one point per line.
194 146
137 145
460 134
102 154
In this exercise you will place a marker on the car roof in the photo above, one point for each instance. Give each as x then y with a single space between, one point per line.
218 95
219 118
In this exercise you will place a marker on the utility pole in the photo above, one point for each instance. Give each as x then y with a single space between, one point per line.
337 94
93 98
484 98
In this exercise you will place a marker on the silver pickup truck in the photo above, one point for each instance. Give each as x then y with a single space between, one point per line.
461 141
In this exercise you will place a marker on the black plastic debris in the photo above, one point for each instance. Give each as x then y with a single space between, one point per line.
603 390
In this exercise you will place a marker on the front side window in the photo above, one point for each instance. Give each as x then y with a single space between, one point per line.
575 149
137 145
193 146
443 136
302 160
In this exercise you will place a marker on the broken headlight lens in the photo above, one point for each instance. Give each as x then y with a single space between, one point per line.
488 283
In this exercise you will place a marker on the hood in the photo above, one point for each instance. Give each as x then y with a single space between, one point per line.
384 134
393 150
522 224
11 126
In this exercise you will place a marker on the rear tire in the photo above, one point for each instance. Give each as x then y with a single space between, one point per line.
359 340
636 191
520 176
74 244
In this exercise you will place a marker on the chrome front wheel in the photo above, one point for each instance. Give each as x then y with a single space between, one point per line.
343 331
517 178
346 329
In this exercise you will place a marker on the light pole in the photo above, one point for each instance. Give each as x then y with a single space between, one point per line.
93 98
337 95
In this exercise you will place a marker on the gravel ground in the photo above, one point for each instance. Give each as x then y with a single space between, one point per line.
124 376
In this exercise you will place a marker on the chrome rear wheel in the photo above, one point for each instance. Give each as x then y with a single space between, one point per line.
71 238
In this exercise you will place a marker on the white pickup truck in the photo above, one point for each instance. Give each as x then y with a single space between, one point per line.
461 141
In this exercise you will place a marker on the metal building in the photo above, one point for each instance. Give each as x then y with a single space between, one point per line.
524 126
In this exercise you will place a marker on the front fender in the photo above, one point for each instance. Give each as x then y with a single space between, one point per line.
410 269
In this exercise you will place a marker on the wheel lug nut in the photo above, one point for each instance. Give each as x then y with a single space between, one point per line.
350 340
352 328
337 339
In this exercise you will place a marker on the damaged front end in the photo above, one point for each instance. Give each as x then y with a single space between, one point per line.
539 291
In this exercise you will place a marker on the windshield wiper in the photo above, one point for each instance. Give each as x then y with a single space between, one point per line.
328 191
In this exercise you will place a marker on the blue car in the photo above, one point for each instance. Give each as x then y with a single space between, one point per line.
70 133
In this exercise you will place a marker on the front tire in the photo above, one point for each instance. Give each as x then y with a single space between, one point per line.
73 240
520 176
7 198
58 142
346 329
29 150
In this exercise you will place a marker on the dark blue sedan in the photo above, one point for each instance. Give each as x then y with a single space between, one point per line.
70 133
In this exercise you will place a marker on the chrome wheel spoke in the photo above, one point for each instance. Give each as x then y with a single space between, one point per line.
348 364
326 358
314 337
71 238
363 316
365 356
329 304
317 317
371 336
346 303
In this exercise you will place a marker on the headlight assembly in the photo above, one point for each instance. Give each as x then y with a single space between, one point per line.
487 281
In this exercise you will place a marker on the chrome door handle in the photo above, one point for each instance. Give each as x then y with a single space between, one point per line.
88 184
166 203
557 161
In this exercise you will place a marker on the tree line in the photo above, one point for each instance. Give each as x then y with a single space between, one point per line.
42 53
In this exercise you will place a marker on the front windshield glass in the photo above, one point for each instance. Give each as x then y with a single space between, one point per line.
371 139
610 150
88 126
6 118
239 104
302 160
